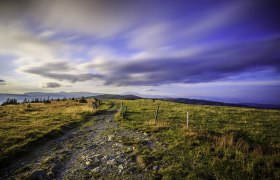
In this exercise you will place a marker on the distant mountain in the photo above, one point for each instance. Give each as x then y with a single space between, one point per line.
44 95
14 95
19 97
116 96
126 96
268 106
216 103
237 100
143 95
62 93
198 101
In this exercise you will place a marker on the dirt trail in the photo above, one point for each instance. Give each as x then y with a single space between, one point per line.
96 149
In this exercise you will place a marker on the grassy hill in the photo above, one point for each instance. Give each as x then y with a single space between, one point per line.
221 142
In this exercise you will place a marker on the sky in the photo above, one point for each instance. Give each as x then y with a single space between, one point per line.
225 50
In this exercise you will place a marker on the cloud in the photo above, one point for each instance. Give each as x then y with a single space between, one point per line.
2 82
50 85
179 42
101 18
183 31
23 44
149 90
141 37
216 62
47 34
60 70
95 17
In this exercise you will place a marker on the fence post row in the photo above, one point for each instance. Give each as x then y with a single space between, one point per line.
123 111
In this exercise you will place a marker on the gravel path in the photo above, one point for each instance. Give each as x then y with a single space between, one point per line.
98 149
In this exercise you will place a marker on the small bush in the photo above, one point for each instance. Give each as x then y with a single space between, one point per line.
83 100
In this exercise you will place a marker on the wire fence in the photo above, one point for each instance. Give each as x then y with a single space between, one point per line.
263 124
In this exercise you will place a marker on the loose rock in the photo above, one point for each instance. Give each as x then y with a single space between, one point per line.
112 162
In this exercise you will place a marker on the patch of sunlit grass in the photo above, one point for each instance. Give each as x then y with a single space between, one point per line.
220 142
23 123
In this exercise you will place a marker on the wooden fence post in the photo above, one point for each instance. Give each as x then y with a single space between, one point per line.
93 105
125 109
187 120
156 114
122 109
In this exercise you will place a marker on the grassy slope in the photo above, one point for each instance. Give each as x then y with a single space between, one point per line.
20 126
221 142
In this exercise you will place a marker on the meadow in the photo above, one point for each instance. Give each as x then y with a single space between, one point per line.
23 125
220 142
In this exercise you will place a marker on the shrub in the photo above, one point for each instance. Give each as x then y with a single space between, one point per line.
83 100
10 101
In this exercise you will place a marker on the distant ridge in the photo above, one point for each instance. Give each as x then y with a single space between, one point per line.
116 96
203 102
45 95
216 103
188 101
62 93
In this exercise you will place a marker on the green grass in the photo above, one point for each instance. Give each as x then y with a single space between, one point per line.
221 142
20 125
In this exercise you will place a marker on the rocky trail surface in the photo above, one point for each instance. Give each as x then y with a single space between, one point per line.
97 149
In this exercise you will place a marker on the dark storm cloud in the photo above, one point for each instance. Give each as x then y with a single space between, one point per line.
56 71
10 8
149 90
101 18
214 63
51 85
2 82
217 62
68 77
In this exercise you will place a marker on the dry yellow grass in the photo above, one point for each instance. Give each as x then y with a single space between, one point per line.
20 125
